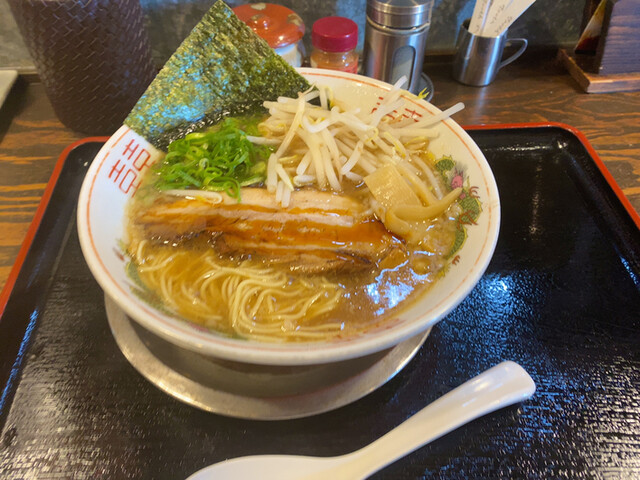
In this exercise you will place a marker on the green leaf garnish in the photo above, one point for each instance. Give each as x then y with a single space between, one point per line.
219 159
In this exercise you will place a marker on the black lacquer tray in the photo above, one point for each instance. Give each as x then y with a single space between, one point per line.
561 297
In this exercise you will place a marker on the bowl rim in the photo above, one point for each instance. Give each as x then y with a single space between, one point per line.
303 353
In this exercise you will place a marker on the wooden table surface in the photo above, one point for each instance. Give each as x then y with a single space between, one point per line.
534 89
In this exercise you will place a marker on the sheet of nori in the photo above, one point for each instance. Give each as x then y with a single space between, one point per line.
221 68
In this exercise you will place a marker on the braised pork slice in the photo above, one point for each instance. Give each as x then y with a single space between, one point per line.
318 231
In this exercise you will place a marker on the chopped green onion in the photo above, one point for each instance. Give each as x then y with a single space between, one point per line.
219 159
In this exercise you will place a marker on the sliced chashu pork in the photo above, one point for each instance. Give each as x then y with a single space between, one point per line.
318 231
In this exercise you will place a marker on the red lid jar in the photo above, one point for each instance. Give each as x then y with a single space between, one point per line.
334 41
279 26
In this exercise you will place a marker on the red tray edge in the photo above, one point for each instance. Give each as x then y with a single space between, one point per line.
587 145
37 219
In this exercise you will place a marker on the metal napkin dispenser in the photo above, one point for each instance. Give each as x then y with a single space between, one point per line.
395 38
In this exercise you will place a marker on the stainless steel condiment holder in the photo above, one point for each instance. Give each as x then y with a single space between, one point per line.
478 58
395 38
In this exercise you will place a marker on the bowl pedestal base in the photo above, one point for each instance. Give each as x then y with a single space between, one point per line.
249 391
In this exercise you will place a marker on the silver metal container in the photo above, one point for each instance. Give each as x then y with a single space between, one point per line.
478 58
395 38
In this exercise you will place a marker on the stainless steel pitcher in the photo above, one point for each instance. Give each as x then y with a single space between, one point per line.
478 59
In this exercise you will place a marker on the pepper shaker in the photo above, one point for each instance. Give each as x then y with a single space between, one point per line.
395 37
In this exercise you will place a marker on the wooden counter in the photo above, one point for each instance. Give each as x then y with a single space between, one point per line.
534 89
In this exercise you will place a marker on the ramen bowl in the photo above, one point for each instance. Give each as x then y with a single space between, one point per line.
114 177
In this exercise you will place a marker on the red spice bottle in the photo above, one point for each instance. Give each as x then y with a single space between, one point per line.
334 41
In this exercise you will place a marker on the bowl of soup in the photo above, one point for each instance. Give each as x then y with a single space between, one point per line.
328 227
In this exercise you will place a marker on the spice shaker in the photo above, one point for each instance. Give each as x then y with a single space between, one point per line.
395 37
279 26
334 41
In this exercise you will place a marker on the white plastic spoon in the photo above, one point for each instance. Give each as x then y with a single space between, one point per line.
498 387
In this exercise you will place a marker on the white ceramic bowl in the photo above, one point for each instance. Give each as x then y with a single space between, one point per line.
116 171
